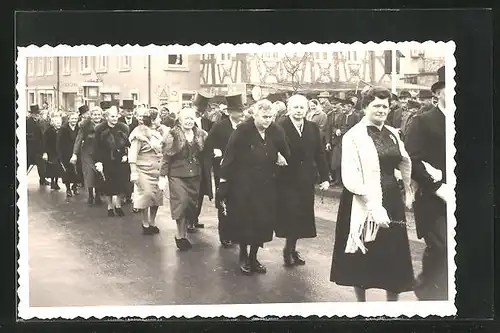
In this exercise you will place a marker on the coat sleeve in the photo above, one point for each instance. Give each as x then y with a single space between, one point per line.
351 167
322 124
99 146
167 146
60 144
77 147
229 160
282 142
319 157
133 151
415 146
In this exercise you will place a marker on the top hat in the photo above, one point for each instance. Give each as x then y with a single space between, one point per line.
234 103
34 108
82 109
201 101
324 94
105 105
441 80
423 94
404 94
346 101
127 104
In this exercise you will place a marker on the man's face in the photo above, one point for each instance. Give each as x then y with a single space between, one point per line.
128 113
441 96
403 101
297 108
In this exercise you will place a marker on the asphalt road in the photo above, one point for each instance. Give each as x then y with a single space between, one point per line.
80 257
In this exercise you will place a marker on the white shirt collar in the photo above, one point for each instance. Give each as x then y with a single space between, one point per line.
233 124
299 126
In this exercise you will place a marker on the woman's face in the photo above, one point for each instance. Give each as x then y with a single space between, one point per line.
186 119
112 116
312 106
264 117
96 116
73 119
377 111
140 117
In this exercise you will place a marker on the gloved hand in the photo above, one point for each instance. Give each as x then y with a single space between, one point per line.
98 167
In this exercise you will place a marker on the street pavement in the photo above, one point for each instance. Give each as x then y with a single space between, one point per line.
80 257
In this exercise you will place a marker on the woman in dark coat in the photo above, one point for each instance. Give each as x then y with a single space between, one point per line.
54 169
371 242
110 157
296 181
248 182
83 150
65 142
182 165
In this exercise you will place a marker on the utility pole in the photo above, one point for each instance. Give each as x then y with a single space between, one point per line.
394 73
58 82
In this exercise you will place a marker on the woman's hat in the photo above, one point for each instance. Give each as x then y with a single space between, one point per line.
235 103
201 101
34 109
405 94
82 109
127 104
441 80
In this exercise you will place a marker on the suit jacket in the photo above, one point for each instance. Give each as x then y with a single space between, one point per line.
66 138
425 141
132 126
394 118
320 118
34 137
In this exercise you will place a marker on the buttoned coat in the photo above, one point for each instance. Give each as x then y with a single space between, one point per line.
296 181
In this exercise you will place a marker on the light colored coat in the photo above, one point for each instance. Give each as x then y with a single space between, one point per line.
361 176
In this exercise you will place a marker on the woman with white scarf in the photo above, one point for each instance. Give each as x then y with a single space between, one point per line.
145 156
371 247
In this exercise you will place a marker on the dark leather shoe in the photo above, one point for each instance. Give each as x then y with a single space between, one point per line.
226 243
257 267
69 194
43 182
119 212
297 259
155 229
287 257
111 213
246 267
147 230
183 244
75 190
199 225
191 228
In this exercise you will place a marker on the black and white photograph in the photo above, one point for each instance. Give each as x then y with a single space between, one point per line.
236 180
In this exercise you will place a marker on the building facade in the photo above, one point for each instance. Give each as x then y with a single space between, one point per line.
151 80
317 71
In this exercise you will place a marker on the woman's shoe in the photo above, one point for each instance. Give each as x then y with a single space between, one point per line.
183 244
119 212
257 267
287 257
68 193
297 259
111 212
147 230
155 229
246 267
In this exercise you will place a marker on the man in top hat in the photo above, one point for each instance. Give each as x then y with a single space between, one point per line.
215 146
426 145
128 114
34 143
200 104
132 122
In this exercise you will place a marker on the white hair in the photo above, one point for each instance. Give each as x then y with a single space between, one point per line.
297 99
109 110
95 109
263 105
186 110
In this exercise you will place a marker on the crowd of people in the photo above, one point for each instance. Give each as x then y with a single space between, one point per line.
264 161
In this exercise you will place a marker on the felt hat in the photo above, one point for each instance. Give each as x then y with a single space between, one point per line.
105 105
35 109
423 94
404 94
413 105
127 104
234 103
394 97
441 80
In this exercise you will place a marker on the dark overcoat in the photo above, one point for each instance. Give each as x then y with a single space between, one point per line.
66 138
206 175
34 139
54 168
425 141
84 149
217 138
250 168
132 125
296 181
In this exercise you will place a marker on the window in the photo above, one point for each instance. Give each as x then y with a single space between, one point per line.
31 66
91 92
50 67
40 68
134 96
85 65
176 62
31 98
125 63
66 65
102 64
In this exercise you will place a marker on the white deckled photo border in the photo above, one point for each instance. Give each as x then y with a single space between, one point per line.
326 309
